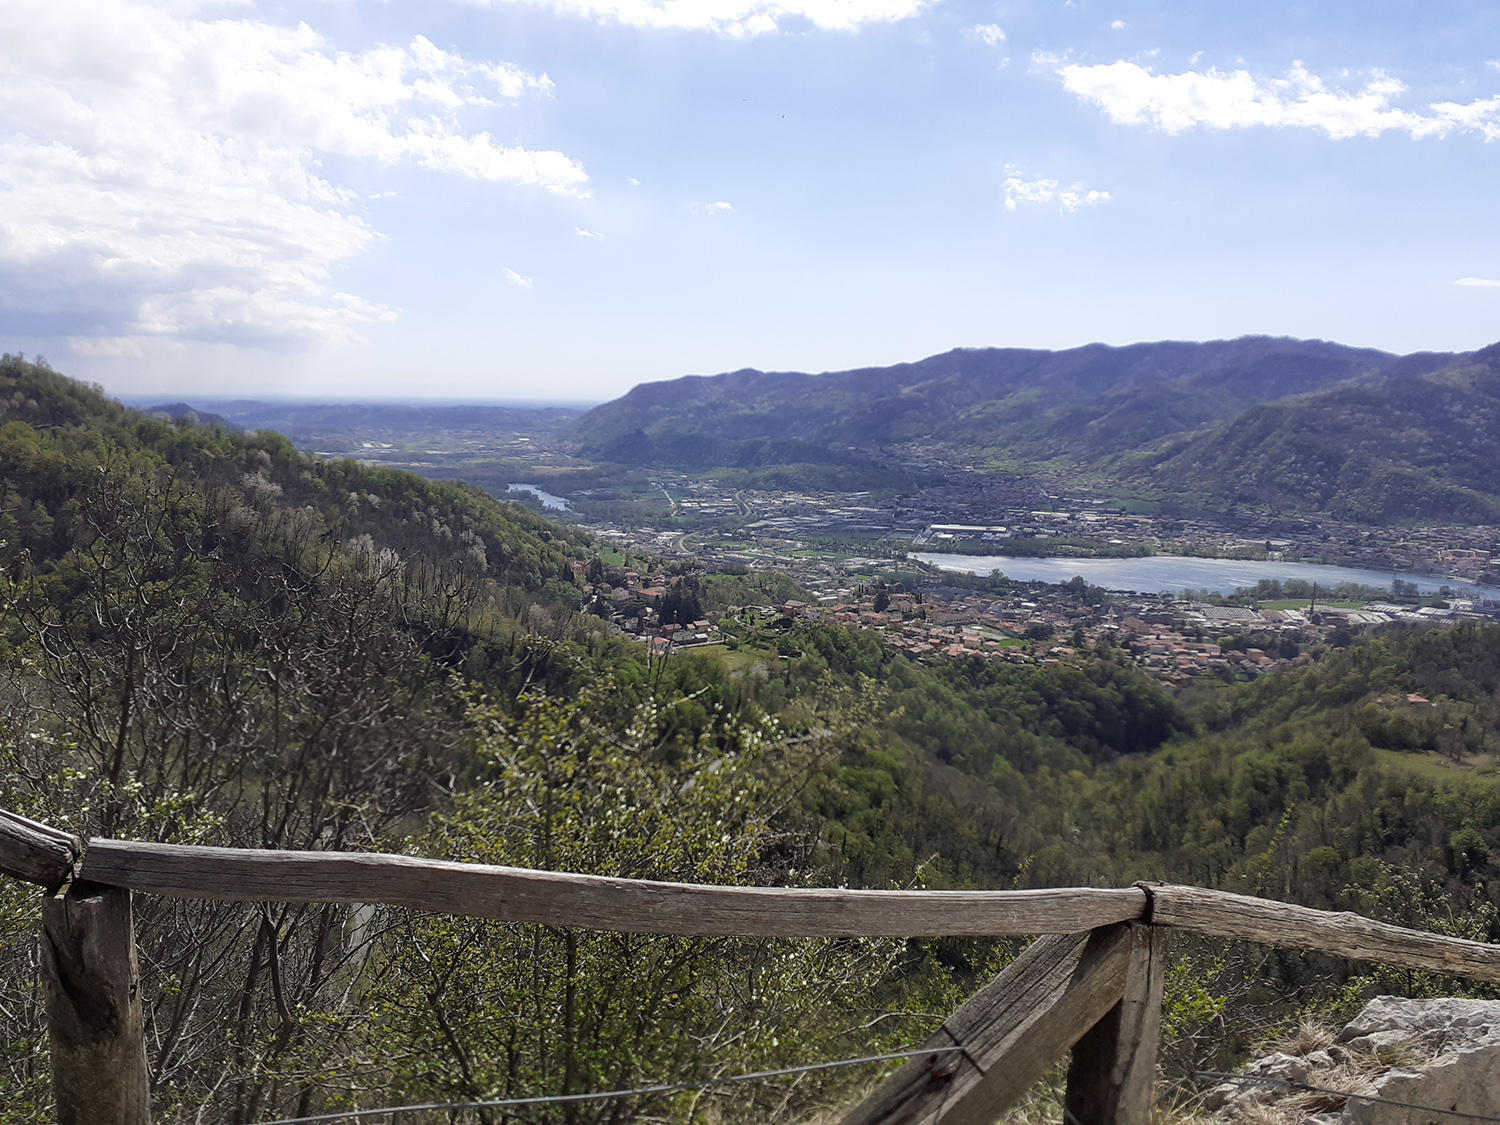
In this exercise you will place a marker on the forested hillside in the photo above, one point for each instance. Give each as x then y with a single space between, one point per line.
61 437
1093 777
209 637
1390 450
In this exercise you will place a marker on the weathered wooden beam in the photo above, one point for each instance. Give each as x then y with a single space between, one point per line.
1221 914
92 983
595 902
1112 1078
1008 1034
557 898
36 852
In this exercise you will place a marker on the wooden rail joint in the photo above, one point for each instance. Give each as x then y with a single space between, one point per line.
1097 992
1148 887
36 852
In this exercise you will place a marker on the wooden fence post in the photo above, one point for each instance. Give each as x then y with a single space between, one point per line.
1008 1034
92 983
1112 1078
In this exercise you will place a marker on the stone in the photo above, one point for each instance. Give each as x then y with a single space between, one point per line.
1464 1081
1387 1019
1449 1055
1461 1039
1220 1096
1288 1068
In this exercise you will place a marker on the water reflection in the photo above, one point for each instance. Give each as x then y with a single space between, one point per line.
1156 573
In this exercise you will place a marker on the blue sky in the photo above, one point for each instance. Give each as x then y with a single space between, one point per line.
557 199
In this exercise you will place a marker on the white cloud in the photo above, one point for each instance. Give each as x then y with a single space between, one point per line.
990 33
1117 25
712 208
734 18
1479 282
162 177
113 347
1020 191
1131 94
632 181
516 279
589 233
1493 64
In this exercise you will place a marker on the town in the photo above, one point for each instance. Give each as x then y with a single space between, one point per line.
944 507
786 528
922 615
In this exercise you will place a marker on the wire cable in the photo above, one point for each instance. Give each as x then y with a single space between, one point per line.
1288 1084
600 1095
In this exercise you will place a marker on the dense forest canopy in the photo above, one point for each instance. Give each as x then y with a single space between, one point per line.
207 636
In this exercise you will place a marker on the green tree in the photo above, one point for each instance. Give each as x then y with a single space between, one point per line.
682 604
473 1010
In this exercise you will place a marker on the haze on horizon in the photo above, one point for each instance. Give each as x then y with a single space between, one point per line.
557 199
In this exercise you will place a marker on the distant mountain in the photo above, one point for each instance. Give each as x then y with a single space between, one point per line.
1269 423
182 412
342 427
1404 447
1082 405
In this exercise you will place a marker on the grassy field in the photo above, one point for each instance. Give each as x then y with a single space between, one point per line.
1475 768
736 659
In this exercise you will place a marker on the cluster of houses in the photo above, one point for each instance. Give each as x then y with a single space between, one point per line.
1171 639
632 601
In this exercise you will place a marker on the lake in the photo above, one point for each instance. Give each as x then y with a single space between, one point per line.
1156 573
550 502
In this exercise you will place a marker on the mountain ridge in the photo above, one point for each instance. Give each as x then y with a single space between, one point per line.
987 386
1145 416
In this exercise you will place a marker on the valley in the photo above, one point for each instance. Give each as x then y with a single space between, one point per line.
927 515
213 636
945 470
774 562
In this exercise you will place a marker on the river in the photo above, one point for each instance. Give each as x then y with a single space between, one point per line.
550 502
1157 573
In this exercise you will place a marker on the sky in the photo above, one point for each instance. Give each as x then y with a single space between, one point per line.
557 199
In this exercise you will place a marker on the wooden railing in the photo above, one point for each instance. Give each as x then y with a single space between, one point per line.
1092 983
